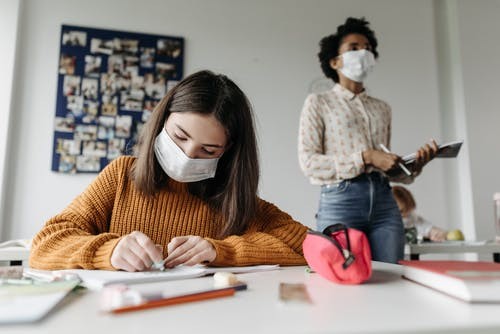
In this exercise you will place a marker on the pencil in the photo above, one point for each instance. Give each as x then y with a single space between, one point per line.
198 296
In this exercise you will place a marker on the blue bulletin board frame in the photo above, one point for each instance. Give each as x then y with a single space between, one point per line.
108 84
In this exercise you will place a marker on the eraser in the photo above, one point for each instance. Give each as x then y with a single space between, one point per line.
223 278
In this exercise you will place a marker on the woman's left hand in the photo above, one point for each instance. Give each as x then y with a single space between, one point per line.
189 250
425 154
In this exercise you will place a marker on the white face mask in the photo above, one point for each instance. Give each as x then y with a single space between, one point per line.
357 64
178 165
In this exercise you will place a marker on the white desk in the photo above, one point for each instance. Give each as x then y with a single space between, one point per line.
386 304
490 247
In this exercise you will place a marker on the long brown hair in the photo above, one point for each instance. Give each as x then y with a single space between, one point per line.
233 190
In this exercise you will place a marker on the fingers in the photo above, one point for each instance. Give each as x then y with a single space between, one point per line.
135 252
153 252
180 248
437 234
189 250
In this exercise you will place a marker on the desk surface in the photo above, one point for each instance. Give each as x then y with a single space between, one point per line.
386 304
455 247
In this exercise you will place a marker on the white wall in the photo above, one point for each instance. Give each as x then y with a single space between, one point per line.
9 15
480 52
457 172
268 47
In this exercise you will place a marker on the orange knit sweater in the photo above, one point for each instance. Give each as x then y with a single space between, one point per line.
85 233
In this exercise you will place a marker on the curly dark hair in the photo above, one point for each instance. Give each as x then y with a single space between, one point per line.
329 45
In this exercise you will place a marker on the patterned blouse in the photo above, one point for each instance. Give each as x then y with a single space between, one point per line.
336 126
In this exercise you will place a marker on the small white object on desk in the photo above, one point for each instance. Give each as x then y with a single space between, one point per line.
15 250
224 278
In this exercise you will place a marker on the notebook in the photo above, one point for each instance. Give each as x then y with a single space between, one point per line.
30 303
97 279
468 281
448 150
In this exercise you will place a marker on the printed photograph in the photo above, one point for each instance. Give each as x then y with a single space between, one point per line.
75 105
137 83
125 46
67 64
147 57
107 121
89 88
64 124
101 46
68 147
90 111
154 86
74 38
71 85
165 70
132 65
109 84
109 105
123 126
85 132
132 100
94 148
106 129
116 148
115 64
67 164
124 82
92 66
169 48
105 133
88 163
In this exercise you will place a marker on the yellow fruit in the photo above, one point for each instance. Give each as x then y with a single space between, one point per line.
455 235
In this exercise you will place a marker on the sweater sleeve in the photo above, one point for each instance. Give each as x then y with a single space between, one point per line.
272 238
312 159
78 237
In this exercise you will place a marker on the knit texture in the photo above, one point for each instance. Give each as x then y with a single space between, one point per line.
85 234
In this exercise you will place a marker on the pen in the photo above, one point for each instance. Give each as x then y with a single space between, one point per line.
193 297
403 167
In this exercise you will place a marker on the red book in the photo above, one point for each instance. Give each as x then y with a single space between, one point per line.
469 281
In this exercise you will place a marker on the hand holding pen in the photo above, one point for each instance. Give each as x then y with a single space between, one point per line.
400 164
382 160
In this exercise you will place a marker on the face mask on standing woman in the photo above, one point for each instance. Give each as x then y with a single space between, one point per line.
357 64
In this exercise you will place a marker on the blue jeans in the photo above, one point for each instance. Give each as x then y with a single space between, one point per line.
365 203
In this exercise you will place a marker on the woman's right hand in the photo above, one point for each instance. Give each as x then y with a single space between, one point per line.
135 252
381 160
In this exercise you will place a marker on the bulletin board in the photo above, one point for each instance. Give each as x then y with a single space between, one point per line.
108 84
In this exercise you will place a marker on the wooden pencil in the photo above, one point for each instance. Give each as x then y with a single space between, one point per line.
198 296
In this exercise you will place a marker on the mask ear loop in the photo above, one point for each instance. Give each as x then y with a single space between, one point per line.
346 252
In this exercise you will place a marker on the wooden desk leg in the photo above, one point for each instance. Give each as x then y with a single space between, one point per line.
16 263
415 257
496 257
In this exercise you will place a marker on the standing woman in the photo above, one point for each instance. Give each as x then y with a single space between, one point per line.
189 196
339 138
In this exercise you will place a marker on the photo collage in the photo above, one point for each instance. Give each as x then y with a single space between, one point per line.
109 83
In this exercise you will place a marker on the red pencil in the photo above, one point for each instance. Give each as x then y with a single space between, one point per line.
197 296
